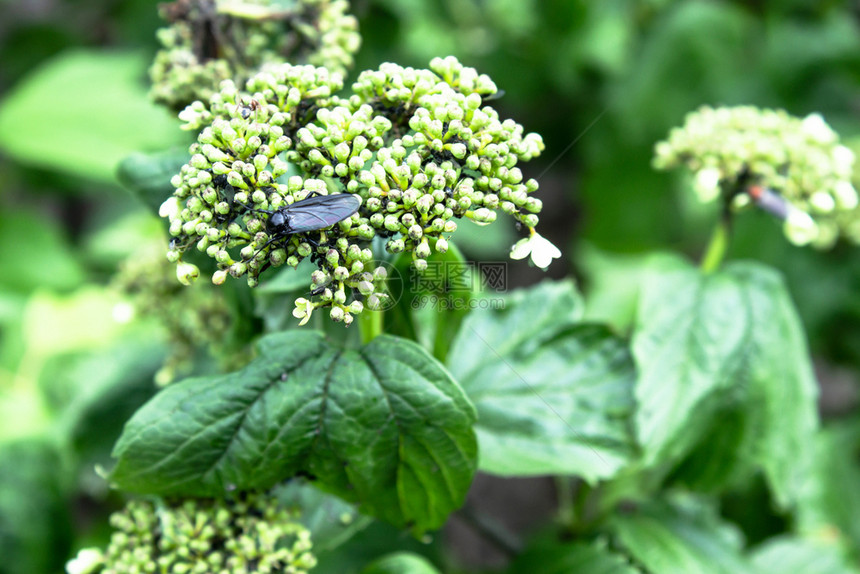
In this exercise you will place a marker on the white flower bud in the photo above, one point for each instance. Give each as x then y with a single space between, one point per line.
707 184
845 195
186 272
817 129
170 208
799 227
822 202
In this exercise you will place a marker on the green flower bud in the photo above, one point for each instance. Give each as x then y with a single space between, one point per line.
332 257
422 250
187 272
341 273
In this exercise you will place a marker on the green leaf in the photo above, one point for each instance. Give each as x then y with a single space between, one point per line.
782 399
831 499
330 520
385 426
689 344
613 286
430 305
33 254
570 558
802 555
274 299
400 563
35 530
99 391
721 349
680 539
148 175
82 112
552 395
379 539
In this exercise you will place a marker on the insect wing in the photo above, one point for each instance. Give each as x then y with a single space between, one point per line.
322 211
770 201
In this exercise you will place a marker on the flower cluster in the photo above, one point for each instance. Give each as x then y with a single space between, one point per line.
733 150
194 319
419 148
252 535
209 41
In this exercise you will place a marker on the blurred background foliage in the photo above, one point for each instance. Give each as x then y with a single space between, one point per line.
601 81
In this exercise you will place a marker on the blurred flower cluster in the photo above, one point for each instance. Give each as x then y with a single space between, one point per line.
419 147
251 535
732 151
208 41
194 319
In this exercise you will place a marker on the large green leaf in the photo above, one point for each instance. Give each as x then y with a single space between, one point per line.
401 563
552 395
612 286
148 175
35 530
98 391
782 394
331 520
33 253
680 539
571 558
724 353
83 112
831 500
429 306
806 556
385 426
376 541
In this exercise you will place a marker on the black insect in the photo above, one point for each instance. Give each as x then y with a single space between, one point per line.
309 214
245 111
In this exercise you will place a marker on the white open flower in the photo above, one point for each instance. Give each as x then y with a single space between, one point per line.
187 272
87 561
170 208
541 250
843 160
800 228
707 184
303 310
846 195
817 129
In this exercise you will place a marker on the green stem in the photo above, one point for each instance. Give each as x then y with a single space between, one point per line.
492 531
580 503
564 494
717 247
370 325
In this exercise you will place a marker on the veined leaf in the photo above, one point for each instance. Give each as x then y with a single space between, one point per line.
552 395
571 558
148 175
796 554
400 563
82 112
720 349
676 539
385 426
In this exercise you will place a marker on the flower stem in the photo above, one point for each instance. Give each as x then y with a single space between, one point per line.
491 530
564 493
370 325
717 247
